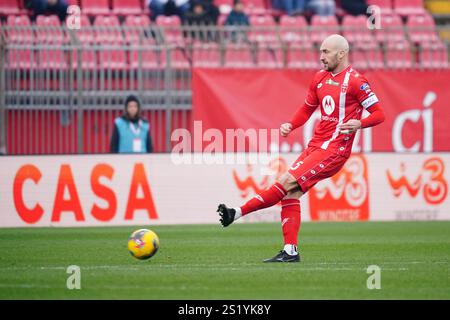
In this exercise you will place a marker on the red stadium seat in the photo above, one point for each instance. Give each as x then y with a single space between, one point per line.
433 55
384 5
302 56
88 58
108 30
398 55
255 7
178 58
206 55
95 7
422 28
392 29
408 7
262 29
134 27
150 57
171 28
49 30
355 29
113 58
19 29
125 7
238 56
323 26
52 59
86 33
21 59
374 56
269 56
294 29
8 7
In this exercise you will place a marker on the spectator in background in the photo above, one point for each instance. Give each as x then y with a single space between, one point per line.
131 132
322 7
237 17
168 8
58 7
354 7
202 13
291 7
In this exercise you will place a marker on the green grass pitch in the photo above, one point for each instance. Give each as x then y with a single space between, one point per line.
209 262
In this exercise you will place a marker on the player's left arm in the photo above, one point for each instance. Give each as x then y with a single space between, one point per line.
369 101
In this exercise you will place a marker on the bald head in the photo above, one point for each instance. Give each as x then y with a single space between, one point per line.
334 53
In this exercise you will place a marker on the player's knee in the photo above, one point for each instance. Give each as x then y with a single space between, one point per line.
289 183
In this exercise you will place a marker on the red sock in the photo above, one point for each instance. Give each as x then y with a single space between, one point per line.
265 199
290 220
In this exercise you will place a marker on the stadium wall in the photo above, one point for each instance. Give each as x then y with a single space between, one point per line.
113 190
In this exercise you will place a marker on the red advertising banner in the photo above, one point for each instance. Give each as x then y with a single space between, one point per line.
415 102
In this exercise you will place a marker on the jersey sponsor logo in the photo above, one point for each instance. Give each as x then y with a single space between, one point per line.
332 119
371 100
364 86
319 85
328 104
332 83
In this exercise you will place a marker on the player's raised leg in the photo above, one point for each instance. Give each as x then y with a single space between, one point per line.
265 199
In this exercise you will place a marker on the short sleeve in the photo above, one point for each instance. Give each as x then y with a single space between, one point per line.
363 92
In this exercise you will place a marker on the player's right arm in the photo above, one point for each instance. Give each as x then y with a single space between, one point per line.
304 112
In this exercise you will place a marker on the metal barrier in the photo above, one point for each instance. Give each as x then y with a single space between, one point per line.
61 90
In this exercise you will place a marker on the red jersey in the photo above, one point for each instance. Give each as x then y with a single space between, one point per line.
341 97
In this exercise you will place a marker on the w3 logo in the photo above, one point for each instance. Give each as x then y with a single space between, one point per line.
430 182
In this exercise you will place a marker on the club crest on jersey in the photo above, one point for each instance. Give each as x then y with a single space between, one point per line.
332 83
328 104
344 88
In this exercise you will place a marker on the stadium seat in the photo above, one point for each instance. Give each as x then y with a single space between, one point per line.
255 7
433 55
238 56
262 29
49 30
171 26
108 30
88 58
178 57
134 27
86 33
21 59
302 56
52 59
95 7
206 55
19 29
354 28
9 7
409 7
294 29
392 29
150 56
422 28
113 58
398 55
269 56
384 5
323 26
374 56
126 7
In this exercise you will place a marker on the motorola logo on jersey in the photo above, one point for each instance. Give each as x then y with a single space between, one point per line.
328 104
